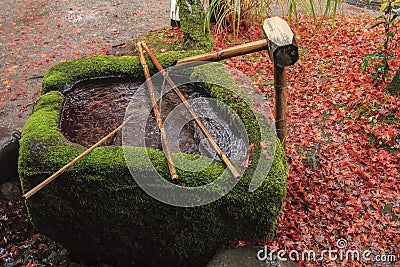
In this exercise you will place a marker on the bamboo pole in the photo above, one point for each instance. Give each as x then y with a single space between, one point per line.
217 149
234 51
157 115
71 163
280 85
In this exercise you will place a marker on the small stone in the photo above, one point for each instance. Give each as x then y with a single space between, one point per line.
75 264
103 264
9 147
9 262
336 233
57 257
245 257
10 191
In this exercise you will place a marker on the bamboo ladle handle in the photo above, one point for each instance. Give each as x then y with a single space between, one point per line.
75 160
157 115
217 149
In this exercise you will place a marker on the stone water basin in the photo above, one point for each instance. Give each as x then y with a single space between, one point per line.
101 213
93 109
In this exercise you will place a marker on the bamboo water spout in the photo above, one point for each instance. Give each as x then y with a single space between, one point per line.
282 49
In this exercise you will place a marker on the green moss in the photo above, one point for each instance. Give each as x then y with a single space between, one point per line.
162 40
390 119
97 210
63 76
195 34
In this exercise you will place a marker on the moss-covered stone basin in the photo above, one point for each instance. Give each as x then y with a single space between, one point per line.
99 212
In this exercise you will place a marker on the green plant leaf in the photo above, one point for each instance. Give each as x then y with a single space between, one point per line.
377 24
375 56
364 65
383 6
312 4
390 34
375 76
393 19
380 17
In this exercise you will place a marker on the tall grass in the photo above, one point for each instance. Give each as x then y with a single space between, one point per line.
314 8
232 13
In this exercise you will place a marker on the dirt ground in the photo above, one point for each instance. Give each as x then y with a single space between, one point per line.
36 35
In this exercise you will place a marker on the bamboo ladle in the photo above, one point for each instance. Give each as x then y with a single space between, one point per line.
157 115
216 147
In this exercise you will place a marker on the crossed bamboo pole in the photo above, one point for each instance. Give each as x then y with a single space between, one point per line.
171 166
216 147
157 115
75 160
167 152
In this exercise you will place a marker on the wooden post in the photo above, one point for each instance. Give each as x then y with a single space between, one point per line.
280 86
283 52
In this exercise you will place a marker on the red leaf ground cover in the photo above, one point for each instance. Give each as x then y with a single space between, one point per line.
343 145
343 131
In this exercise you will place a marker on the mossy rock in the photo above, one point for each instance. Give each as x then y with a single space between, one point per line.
65 75
98 211
195 33
162 40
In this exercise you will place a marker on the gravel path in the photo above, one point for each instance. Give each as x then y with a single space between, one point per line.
38 34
